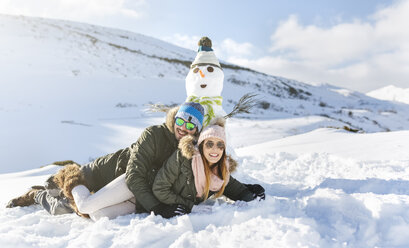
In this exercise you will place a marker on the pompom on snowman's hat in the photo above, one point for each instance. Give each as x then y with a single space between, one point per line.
205 54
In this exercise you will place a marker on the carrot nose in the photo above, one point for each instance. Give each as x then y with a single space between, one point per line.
201 74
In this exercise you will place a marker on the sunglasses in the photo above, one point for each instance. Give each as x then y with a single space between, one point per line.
220 144
189 126
209 69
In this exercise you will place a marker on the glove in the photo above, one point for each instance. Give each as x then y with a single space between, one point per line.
169 211
257 190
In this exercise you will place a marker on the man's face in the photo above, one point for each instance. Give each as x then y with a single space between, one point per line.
181 131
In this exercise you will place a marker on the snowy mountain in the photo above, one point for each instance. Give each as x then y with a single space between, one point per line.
67 84
77 91
391 93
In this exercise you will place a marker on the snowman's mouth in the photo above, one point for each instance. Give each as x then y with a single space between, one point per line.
203 85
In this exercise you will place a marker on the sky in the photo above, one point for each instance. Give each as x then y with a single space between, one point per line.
361 45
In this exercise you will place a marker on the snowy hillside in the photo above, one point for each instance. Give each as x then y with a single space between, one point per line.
391 93
77 91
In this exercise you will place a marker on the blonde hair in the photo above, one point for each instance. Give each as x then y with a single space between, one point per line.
222 171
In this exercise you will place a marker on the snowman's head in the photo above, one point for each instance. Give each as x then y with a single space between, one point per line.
205 77
204 80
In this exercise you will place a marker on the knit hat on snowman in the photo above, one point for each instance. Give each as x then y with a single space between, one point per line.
205 54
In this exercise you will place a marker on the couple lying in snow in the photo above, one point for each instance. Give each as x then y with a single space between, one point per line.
168 171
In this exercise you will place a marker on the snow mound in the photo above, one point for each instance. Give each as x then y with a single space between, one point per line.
391 93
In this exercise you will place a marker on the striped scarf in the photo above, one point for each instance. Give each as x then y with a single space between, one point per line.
207 102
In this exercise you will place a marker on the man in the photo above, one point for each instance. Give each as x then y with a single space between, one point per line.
140 161
152 150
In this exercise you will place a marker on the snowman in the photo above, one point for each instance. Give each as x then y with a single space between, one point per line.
204 82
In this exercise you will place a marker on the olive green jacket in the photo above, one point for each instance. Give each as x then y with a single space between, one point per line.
175 184
105 169
155 145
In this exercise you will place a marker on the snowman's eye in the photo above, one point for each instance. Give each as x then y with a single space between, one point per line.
210 69
196 70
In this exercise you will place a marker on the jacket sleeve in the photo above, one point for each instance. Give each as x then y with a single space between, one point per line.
235 190
166 178
139 170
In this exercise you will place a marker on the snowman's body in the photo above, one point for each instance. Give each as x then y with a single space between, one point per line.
204 84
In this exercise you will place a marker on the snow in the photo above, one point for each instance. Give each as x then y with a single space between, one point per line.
78 99
391 93
382 145
318 199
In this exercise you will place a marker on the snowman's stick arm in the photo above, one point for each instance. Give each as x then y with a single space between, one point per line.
246 102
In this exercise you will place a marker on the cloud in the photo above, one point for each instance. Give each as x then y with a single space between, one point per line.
361 55
232 49
312 44
73 9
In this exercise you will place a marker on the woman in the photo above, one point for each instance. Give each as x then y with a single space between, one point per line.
192 174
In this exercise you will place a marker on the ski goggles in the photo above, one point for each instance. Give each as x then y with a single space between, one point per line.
220 144
189 125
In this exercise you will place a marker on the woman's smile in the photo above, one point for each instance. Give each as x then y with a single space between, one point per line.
214 155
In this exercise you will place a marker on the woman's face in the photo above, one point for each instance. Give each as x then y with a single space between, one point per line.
213 150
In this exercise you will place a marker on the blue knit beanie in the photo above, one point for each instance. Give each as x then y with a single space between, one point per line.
192 112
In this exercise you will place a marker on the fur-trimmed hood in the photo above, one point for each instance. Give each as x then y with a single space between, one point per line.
170 118
188 148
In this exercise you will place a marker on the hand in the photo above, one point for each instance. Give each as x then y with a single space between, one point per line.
257 190
169 211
